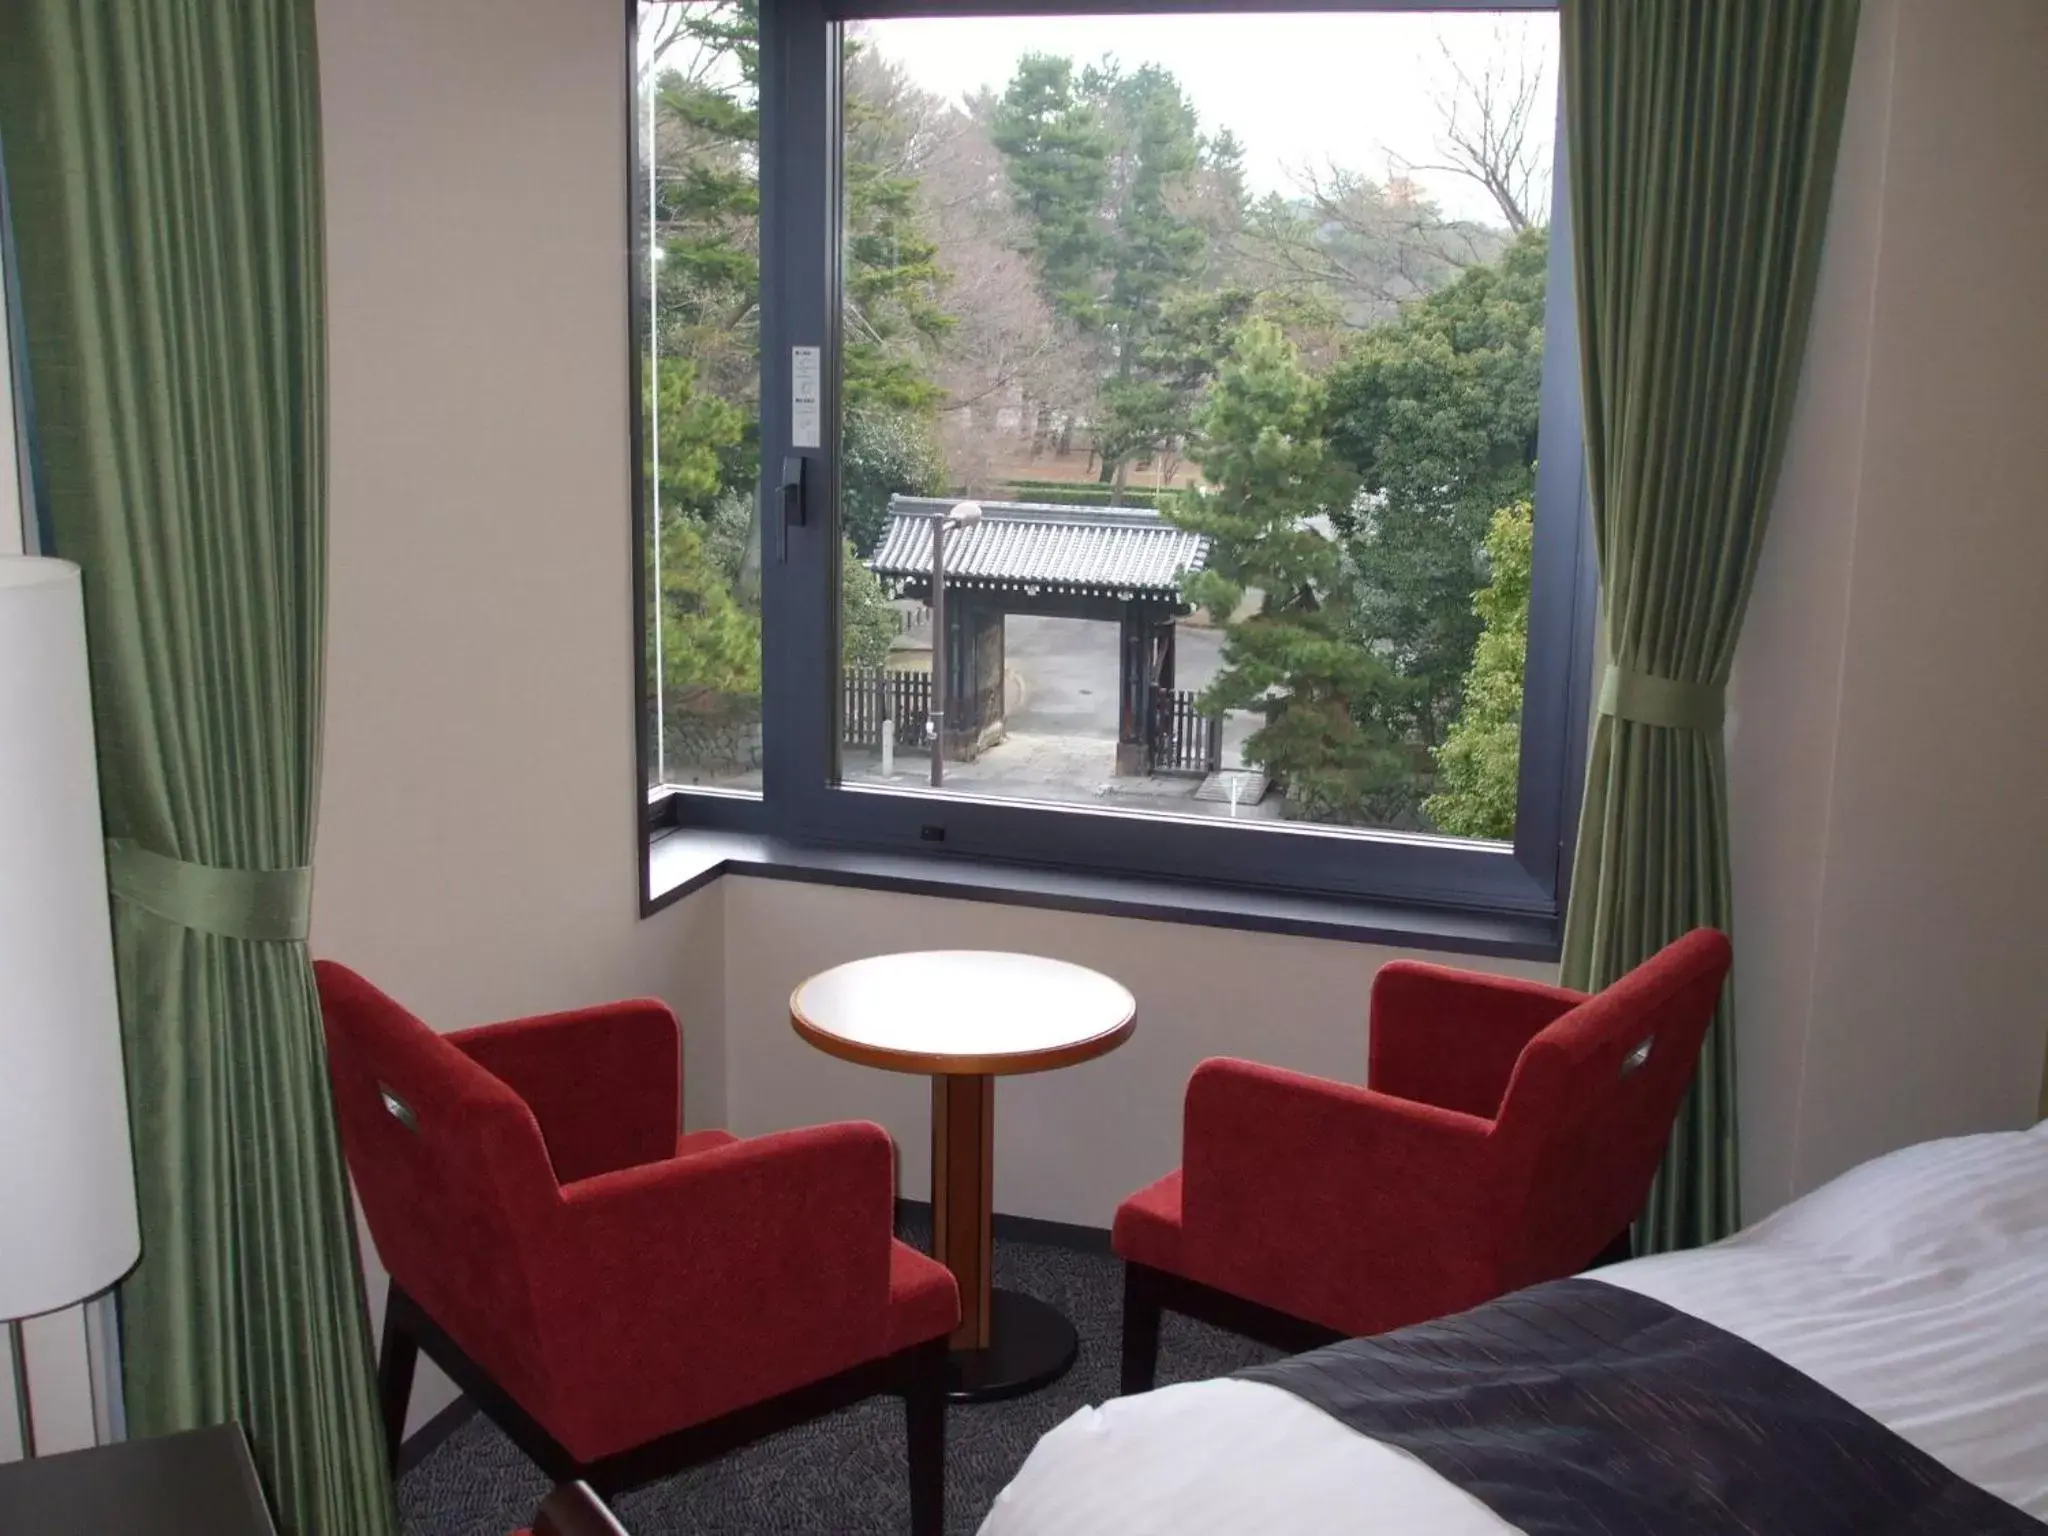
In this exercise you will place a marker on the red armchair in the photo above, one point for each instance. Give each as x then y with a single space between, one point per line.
622 1300
1507 1135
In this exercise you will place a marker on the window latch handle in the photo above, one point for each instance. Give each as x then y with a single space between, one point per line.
791 495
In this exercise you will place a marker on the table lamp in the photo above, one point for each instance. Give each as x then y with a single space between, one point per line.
67 1178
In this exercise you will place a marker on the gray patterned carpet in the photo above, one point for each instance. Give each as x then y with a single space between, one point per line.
842 1475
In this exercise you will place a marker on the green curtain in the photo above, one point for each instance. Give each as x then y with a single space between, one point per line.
164 164
1701 148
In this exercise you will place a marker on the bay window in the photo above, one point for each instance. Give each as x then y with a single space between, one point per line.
1131 444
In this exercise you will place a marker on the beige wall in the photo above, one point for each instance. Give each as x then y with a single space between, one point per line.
476 833
1785 697
1069 1144
1890 724
476 827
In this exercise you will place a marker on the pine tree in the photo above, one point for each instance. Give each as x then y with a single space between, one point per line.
1273 483
1108 169
707 202
710 644
893 315
1157 251
1223 182
1056 151
708 207
695 431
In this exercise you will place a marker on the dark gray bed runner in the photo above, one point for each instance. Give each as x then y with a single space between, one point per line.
1580 1409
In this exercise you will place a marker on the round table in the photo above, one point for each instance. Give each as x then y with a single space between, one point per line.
964 1017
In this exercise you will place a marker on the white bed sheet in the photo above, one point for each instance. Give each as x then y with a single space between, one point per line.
1915 1286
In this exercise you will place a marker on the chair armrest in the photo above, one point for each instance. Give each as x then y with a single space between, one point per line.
605 1083
1451 1038
676 1291
1337 1203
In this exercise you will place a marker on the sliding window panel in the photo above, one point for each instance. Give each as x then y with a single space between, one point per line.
696 345
1190 390
1189 435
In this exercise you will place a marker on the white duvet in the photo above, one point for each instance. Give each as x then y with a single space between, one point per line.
1915 1286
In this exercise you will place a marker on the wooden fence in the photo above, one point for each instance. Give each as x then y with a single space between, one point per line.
870 695
1184 740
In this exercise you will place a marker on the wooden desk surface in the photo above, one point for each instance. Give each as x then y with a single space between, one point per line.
964 1012
201 1483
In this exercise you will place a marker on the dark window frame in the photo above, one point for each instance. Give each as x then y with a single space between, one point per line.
800 801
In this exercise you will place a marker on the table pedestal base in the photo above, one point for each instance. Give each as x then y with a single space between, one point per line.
1007 1343
1029 1346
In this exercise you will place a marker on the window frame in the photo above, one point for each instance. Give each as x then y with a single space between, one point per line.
20 517
801 803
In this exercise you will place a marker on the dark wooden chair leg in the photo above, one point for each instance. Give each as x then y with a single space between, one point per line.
1141 1328
397 1355
924 1417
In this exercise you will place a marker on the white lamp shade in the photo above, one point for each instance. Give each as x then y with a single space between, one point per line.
67 1176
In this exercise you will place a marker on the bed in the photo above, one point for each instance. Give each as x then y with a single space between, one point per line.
1914 1287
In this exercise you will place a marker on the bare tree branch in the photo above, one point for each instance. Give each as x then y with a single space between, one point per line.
1370 246
1490 132
663 28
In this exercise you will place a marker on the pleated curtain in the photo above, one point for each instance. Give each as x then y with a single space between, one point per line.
164 172
1702 138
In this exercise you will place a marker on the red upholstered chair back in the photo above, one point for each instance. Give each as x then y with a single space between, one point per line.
450 1166
1588 1111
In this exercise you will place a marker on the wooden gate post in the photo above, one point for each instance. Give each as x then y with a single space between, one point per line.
1134 694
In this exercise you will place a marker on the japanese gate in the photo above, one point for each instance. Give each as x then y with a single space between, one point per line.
1121 564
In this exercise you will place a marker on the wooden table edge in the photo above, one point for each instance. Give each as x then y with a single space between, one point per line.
947 1064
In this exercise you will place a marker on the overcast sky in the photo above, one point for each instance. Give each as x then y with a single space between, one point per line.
1296 89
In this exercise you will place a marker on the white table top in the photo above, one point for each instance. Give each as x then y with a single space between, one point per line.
964 1011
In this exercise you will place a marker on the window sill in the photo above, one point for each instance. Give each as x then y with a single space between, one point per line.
679 862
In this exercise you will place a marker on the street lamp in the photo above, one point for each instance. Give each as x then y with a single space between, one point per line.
964 514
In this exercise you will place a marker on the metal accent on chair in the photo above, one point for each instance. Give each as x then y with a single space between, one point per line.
573 1510
398 1109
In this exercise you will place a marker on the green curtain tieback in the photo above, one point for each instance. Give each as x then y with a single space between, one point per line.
263 905
1651 700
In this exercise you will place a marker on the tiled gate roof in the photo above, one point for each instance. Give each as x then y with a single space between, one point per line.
1121 552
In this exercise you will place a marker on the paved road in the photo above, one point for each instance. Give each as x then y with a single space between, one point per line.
1065 671
1063 676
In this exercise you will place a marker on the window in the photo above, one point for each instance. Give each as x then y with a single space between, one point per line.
697 214
1170 438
